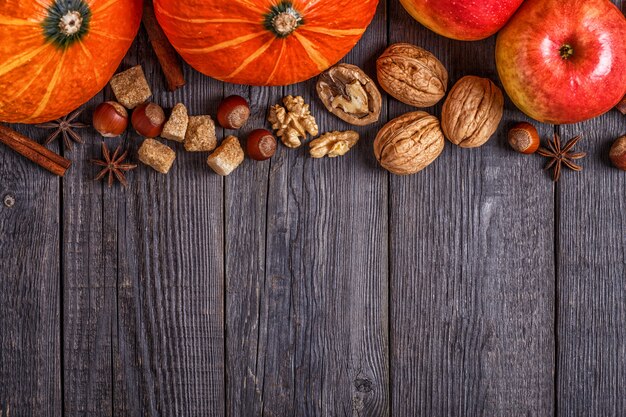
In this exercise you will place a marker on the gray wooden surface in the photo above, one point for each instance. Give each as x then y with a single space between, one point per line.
301 287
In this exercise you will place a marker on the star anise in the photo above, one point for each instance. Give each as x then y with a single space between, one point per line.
65 126
114 166
560 156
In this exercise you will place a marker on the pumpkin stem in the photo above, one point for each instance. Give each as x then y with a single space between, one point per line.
282 19
70 23
285 23
67 22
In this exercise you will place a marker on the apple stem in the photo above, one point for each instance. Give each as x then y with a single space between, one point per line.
566 51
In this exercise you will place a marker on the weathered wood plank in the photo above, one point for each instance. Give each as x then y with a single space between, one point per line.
472 271
170 337
144 276
246 220
591 259
592 268
324 299
89 275
30 325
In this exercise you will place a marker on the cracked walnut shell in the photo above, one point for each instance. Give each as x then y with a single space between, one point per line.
472 112
333 144
292 122
409 143
348 93
412 75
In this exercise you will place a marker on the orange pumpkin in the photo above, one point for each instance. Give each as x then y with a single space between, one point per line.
264 42
57 54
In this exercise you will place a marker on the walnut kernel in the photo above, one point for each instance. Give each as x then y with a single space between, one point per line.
293 122
350 94
333 144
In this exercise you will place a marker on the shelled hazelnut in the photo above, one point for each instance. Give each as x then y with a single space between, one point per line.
261 145
148 120
233 112
110 119
524 138
618 153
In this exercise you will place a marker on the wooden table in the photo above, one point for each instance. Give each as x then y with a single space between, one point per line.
302 287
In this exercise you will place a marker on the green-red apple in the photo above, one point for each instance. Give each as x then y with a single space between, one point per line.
564 61
466 20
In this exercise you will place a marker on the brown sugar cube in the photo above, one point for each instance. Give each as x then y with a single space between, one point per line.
228 156
176 126
130 87
157 155
200 136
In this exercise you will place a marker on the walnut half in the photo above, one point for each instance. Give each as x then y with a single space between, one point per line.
293 122
333 144
348 93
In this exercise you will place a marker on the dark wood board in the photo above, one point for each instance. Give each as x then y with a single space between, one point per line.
591 258
471 268
30 286
144 275
591 261
302 287
326 277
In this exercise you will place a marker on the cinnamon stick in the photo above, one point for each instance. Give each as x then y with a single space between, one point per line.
30 149
165 52
622 105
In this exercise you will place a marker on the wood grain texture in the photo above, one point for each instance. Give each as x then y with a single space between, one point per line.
144 276
30 324
471 272
246 226
592 268
303 287
89 277
591 260
171 274
325 294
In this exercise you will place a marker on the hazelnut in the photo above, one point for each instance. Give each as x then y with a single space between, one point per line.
412 75
524 138
472 112
409 143
261 145
148 120
618 153
233 112
348 93
110 119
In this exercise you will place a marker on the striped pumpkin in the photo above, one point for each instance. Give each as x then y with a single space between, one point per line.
264 42
57 54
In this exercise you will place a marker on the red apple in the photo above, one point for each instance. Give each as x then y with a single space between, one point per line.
564 61
466 20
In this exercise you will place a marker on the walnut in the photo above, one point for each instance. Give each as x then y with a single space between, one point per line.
293 121
472 112
409 143
348 93
333 144
412 75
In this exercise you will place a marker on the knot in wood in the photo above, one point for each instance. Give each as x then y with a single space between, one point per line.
9 200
